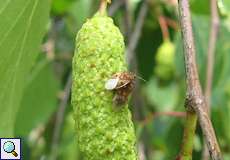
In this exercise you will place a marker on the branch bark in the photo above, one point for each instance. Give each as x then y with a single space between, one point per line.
210 60
195 102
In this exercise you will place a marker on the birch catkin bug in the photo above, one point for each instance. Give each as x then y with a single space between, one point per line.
122 84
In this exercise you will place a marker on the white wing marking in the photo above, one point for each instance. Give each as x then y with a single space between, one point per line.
111 84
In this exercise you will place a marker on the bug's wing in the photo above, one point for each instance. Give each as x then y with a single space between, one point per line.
124 83
111 84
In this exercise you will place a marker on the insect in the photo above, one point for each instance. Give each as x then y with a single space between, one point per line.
122 84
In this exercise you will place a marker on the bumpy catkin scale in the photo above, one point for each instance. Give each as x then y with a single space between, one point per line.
104 133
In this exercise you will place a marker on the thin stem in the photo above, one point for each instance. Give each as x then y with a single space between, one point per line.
141 151
132 62
127 20
60 117
188 137
154 115
210 60
164 27
171 23
134 38
194 99
115 6
103 6
211 50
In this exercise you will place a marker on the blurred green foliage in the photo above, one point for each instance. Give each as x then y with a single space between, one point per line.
31 86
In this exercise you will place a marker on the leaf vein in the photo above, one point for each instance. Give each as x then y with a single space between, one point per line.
14 24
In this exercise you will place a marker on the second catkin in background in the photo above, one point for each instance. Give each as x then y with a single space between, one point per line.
103 133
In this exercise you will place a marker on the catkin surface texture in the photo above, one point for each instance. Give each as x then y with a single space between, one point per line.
103 132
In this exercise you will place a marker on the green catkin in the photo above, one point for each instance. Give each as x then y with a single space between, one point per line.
103 132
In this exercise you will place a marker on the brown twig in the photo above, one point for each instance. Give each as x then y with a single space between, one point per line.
194 99
141 151
130 52
131 60
172 23
60 117
154 115
103 6
210 60
211 50
134 38
164 27
48 48
115 6
127 20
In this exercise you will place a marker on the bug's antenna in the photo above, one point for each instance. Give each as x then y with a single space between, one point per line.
140 78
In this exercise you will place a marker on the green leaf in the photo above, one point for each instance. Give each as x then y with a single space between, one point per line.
78 14
200 7
80 10
39 100
163 98
22 26
224 7
173 138
61 6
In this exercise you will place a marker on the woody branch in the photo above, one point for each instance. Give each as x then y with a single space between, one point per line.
194 98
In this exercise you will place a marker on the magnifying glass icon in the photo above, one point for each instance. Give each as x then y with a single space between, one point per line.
9 147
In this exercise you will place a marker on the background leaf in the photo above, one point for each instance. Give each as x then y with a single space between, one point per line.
39 100
22 26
